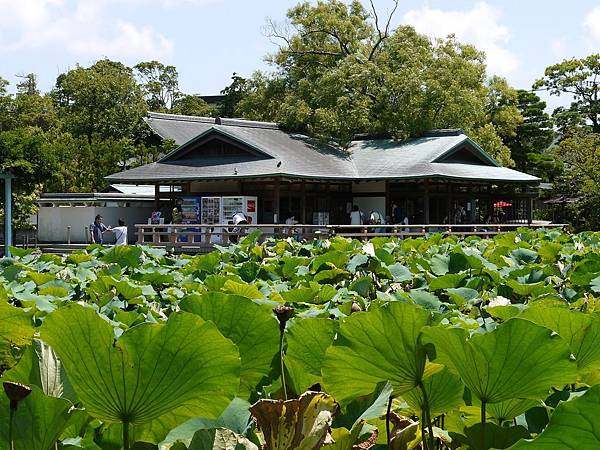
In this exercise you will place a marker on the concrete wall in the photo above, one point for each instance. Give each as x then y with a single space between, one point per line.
53 221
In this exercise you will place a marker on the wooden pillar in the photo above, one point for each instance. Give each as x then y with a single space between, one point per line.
529 206
426 203
156 197
7 214
276 201
303 203
450 212
388 203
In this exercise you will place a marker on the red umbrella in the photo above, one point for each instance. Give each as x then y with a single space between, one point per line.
502 204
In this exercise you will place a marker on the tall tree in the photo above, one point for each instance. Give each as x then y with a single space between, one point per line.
342 70
192 105
103 99
233 94
160 84
529 146
580 152
24 154
579 78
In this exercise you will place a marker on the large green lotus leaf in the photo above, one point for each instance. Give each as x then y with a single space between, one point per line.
519 359
123 255
248 325
184 366
307 341
301 423
38 421
242 289
444 393
40 366
15 325
575 425
581 331
376 346
16 329
496 437
509 409
234 418
220 439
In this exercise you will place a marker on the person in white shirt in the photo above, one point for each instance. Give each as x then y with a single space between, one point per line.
356 216
120 233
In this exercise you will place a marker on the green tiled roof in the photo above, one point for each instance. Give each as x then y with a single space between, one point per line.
294 155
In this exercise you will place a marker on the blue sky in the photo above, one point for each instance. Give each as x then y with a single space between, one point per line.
208 40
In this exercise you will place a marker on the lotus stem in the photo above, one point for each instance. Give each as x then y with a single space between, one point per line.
282 365
483 420
125 435
423 435
10 427
283 314
426 412
387 421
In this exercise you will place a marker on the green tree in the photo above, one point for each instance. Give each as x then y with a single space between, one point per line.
580 79
580 153
341 70
24 154
233 94
192 105
103 99
529 146
160 84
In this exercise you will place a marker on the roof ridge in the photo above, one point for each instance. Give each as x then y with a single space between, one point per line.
235 122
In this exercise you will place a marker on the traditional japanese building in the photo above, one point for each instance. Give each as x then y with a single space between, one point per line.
440 177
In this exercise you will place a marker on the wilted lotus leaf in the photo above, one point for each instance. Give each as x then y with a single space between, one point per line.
183 367
301 423
405 434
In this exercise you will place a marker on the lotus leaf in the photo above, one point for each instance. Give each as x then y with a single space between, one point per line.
184 366
519 359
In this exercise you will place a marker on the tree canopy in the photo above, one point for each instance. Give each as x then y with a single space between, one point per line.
340 70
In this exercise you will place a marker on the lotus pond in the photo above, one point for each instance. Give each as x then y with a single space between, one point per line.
430 343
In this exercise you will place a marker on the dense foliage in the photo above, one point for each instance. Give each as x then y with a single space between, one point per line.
340 70
416 343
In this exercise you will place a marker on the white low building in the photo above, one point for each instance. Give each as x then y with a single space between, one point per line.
65 217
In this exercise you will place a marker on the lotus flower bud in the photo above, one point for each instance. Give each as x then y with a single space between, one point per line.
356 307
283 313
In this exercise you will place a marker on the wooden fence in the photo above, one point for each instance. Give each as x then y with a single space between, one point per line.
202 237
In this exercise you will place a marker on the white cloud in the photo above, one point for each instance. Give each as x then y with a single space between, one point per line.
479 26
591 24
81 27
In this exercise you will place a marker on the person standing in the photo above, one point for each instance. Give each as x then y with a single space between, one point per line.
97 230
356 216
120 233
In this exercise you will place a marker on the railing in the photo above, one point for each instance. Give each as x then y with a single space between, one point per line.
205 235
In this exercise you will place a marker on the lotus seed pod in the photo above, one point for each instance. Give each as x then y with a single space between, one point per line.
15 392
283 313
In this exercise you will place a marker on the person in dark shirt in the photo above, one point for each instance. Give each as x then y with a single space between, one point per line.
97 230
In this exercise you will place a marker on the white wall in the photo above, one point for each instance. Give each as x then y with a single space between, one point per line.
53 221
368 204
